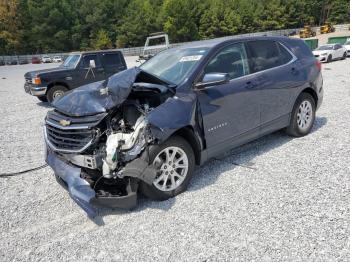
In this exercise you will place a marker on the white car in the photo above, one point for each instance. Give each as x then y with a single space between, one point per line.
46 59
330 52
57 59
347 46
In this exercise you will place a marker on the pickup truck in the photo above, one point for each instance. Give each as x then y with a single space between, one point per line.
79 68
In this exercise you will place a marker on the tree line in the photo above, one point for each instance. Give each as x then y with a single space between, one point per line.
41 26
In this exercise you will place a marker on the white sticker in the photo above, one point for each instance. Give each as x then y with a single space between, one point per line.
190 58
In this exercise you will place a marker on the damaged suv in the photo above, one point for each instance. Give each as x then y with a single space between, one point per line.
145 129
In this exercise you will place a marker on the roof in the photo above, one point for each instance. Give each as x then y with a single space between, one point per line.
94 52
214 42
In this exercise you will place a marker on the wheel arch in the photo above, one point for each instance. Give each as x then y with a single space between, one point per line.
189 135
57 83
312 92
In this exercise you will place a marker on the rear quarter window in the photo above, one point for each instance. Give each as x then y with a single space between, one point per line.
111 59
300 49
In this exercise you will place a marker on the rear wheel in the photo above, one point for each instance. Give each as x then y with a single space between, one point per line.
174 160
303 116
42 98
55 92
329 59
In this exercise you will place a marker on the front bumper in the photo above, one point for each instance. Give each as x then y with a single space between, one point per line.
35 90
321 58
69 176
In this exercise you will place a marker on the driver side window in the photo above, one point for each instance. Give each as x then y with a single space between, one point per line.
231 60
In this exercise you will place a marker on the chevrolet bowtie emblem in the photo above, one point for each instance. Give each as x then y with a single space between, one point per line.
64 122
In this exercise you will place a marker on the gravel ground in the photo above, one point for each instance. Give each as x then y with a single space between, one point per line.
292 203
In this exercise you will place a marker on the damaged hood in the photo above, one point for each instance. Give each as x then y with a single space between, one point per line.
98 97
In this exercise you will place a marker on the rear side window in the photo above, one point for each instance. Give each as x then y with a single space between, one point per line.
231 60
300 49
266 54
111 60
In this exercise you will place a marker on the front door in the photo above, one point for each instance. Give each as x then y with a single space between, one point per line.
231 109
88 74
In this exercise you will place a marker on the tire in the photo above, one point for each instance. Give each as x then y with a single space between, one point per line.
42 98
329 59
304 111
344 56
55 92
153 191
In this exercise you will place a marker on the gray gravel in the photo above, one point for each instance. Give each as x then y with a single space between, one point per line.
292 204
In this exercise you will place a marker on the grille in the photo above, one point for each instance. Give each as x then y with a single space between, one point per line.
27 84
73 138
316 55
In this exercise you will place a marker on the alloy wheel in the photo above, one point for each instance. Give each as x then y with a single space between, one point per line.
304 115
172 163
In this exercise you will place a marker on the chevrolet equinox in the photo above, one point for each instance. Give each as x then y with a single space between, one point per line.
146 128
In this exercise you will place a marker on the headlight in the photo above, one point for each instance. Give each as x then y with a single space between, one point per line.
36 80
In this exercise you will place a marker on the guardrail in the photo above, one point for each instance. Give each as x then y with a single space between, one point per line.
135 51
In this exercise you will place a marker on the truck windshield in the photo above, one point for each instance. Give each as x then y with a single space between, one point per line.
71 61
174 65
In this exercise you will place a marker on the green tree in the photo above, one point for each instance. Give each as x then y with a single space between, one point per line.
218 20
178 21
10 26
102 41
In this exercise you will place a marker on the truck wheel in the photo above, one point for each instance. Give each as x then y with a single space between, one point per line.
329 59
175 161
55 92
303 116
42 98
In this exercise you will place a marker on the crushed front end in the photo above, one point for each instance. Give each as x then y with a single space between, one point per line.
100 157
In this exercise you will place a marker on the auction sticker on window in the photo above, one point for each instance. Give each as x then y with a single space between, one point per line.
190 58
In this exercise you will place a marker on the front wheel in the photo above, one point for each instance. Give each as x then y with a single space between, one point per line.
329 59
55 92
303 116
175 162
344 56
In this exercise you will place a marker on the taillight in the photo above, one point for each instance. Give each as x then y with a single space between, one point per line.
318 65
36 81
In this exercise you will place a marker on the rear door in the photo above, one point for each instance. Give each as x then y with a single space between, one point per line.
279 76
112 63
231 109
339 51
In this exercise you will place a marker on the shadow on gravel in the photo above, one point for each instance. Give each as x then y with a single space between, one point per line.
206 175
44 104
319 123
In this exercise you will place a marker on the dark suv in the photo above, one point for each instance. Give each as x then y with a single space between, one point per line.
145 129
78 69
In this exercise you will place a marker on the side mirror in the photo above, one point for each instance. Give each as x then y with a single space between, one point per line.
213 79
92 64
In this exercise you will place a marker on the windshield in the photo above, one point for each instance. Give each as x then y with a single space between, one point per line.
71 61
325 47
174 65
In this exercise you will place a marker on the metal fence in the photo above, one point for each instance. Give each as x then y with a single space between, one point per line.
136 51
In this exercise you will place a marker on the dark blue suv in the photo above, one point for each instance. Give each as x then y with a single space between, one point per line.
145 129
